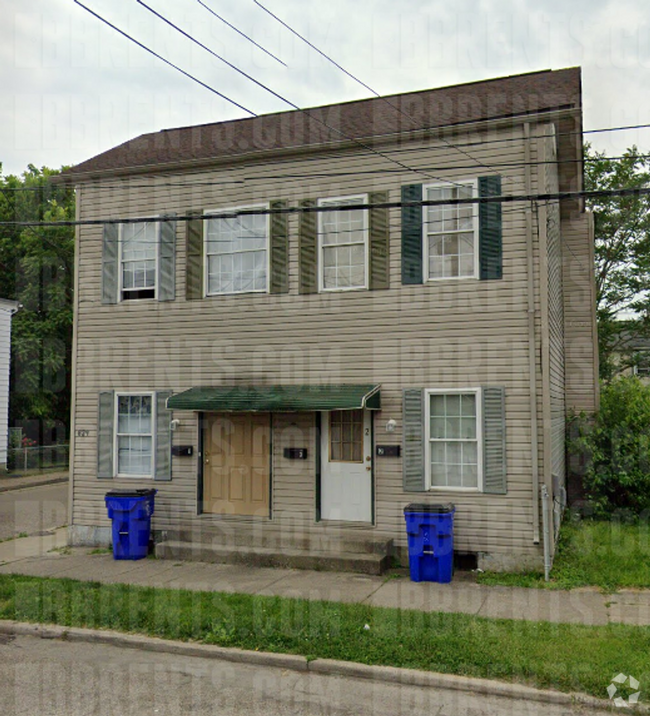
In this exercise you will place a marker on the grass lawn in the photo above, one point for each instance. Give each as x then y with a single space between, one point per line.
562 656
609 555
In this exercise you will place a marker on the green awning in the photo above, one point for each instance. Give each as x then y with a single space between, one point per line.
276 398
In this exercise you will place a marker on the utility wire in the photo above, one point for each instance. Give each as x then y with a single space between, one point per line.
214 54
243 34
189 184
360 82
507 199
284 99
165 60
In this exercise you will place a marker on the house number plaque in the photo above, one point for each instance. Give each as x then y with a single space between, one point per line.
389 450
295 453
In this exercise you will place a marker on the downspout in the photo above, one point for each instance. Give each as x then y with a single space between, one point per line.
73 368
547 533
532 368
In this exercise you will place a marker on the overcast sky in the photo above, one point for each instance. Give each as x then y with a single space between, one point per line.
70 87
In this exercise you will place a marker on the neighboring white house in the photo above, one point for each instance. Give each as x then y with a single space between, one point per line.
7 310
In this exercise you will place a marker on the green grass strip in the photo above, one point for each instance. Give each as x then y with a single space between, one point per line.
610 555
561 656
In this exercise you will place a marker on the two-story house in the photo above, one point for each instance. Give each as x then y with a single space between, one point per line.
294 325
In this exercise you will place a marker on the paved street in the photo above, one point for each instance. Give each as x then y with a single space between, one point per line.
33 510
45 676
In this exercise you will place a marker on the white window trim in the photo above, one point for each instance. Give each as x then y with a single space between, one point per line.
120 243
645 355
366 238
479 438
425 239
153 434
250 207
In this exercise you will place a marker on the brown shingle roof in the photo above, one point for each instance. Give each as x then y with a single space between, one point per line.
362 119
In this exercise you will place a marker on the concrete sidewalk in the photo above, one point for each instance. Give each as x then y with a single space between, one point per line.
34 556
12 481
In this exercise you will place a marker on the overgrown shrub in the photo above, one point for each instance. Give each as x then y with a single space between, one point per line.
617 446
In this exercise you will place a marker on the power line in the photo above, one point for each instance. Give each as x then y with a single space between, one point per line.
280 97
356 79
507 199
165 60
189 184
243 34
214 54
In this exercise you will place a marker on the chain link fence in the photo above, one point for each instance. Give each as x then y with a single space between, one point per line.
38 458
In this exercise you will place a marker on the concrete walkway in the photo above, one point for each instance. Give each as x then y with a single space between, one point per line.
47 556
12 481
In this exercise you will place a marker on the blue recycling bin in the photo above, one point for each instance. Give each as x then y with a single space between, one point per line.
430 531
131 512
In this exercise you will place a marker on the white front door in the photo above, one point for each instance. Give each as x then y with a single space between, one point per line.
346 466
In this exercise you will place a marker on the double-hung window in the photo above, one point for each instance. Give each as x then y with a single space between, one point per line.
453 439
138 260
642 365
343 245
134 434
237 253
450 232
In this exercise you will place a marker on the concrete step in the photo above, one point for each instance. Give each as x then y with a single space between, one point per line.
282 538
364 562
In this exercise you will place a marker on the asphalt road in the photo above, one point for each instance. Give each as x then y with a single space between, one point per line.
33 510
57 678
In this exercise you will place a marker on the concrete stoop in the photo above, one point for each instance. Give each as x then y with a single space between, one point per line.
372 558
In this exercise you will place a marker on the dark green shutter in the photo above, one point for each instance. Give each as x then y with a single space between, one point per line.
412 235
494 441
105 429
413 453
110 251
167 261
163 468
490 229
308 234
379 241
279 249
194 259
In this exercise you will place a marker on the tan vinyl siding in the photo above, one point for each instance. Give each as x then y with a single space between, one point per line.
444 334
581 337
556 325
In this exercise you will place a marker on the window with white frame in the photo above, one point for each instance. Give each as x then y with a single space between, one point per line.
237 253
642 365
454 439
138 260
134 434
450 232
343 245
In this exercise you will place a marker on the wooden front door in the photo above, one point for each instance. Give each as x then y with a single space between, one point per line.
236 464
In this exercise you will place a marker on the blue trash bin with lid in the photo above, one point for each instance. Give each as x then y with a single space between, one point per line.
430 532
130 511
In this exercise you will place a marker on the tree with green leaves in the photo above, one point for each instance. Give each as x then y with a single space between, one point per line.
622 252
36 269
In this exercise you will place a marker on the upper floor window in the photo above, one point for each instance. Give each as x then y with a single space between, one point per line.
450 232
237 253
343 245
138 260
642 365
